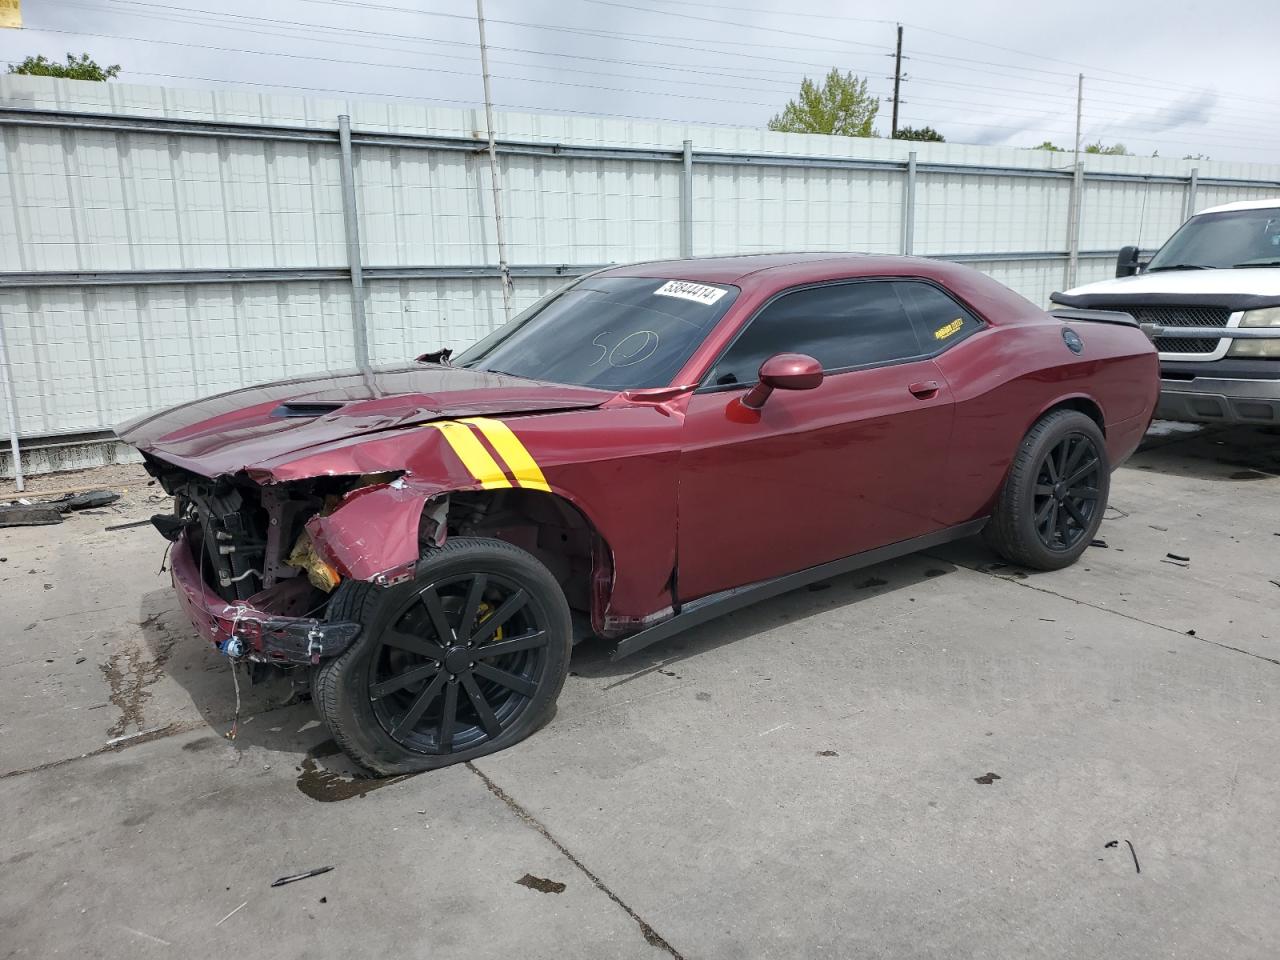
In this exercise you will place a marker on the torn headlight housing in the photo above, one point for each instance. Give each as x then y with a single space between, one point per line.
1268 317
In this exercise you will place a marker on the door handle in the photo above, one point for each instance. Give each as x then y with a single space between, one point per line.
924 389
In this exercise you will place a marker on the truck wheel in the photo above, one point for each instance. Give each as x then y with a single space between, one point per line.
1054 495
466 659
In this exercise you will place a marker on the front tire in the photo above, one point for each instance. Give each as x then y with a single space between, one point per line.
466 659
1054 495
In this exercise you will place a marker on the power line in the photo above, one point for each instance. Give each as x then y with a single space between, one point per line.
1095 72
615 35
779 85
396 66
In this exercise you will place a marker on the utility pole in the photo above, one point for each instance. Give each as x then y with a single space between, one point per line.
897 83
494 177
1077 187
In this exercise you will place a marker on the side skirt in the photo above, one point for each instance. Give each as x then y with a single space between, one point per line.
726 601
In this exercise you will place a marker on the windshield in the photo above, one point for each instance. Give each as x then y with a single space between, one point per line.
1233 238
615 333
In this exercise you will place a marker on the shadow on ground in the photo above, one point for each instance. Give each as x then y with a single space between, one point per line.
591 657
272 720
1207 452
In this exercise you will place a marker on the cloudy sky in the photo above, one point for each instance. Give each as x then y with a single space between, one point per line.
1177 76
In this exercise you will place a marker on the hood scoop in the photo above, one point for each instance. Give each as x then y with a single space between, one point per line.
307 409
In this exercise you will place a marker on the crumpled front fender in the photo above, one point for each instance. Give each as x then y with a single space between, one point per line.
373 535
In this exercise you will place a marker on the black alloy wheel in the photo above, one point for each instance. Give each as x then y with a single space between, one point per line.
459 664
1054 494
465 659
1066 492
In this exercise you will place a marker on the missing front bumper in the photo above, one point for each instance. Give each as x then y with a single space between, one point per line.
265 628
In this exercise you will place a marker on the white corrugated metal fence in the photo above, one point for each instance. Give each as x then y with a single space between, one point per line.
160 244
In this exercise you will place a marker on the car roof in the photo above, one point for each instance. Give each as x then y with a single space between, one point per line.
764 273
781 268
1243 205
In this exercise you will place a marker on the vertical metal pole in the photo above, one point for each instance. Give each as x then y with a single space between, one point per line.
494 178
1077 184
1193 184
11 407
897 84
351 219
686 202
909 207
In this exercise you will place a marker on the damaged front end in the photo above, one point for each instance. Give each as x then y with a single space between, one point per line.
247 564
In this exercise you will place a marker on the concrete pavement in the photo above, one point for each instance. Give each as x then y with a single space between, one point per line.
925 759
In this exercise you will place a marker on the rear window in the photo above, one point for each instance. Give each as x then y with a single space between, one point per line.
939 320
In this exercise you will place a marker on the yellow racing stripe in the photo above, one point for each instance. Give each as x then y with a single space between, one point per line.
473 454
519 461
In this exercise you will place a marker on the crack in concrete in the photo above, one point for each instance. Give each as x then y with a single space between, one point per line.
160 733
171 730
1118 613
651 936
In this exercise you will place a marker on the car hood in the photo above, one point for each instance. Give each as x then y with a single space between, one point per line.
233 431
1221 285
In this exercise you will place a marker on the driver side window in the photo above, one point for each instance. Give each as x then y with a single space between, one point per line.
840 325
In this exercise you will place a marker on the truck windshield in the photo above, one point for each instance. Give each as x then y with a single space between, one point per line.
1233 238
615 333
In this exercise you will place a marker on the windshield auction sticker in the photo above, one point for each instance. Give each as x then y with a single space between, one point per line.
697 292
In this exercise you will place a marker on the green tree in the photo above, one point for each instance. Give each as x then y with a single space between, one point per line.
1048 146
81 68
1115 150
841 106
919 133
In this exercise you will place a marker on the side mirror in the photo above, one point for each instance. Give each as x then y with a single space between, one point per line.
1127 262
783 371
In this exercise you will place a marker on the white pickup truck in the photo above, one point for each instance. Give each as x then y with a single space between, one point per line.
1210 298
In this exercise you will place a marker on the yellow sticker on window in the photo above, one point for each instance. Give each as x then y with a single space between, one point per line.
953 327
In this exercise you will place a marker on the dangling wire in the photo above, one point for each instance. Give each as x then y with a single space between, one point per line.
235 676
235 721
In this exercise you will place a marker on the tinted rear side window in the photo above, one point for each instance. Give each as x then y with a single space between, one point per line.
840 325
940 321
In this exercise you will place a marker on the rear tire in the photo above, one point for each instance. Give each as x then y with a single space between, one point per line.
1054 495
466 659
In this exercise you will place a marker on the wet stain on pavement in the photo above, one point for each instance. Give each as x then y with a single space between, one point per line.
541 884
935 572
129 673
873 582
330 786
1249 475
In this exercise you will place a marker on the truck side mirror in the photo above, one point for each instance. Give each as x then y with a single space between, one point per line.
1127 262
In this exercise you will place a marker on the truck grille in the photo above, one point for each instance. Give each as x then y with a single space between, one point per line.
1178 316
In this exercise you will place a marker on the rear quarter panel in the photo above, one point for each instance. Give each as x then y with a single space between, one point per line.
1008 376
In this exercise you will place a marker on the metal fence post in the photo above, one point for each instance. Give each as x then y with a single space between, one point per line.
1193 184
909 207
11 406
686 202
351 219
1073 225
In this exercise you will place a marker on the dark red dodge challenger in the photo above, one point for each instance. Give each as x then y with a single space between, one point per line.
649 447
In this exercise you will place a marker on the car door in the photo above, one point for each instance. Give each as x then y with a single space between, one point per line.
818 474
